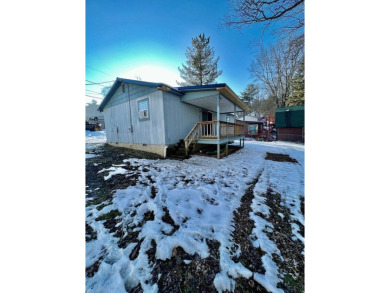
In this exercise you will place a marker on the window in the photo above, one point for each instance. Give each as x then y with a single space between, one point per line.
252 129
143 109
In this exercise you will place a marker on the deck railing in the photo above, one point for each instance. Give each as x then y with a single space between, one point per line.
229 129
208 130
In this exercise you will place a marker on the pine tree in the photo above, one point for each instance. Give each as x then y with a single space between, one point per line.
249 94
201 67
298 87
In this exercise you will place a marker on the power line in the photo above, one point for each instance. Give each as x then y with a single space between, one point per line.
109 74
93 97
94 92
97 83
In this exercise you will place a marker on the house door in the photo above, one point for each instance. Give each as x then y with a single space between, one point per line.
207 116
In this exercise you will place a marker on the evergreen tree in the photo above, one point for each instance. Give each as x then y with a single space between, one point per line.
250 94
201 67
265 106
298 87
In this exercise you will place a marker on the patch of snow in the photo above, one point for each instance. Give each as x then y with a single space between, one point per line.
88 156
114 171
201 194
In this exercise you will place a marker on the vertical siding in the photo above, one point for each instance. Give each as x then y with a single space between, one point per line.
149 131
179 118
136 91
117 114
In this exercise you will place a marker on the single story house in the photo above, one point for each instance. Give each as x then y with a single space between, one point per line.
290 123
152 116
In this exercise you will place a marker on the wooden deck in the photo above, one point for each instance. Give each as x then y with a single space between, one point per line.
207 132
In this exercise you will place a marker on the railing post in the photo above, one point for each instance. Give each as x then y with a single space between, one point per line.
218 125
243 140
234 120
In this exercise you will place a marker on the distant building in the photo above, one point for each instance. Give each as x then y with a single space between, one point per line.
249 118
290 123
253 127
91 111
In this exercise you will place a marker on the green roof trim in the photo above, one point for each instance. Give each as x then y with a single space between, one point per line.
293 116
291 108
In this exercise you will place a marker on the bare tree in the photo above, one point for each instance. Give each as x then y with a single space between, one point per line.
274 68
265 106
287 16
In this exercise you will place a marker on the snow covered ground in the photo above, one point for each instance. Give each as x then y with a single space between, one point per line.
200 194
95 136
93 139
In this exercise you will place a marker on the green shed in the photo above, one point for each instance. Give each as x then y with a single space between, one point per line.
293 116
290 123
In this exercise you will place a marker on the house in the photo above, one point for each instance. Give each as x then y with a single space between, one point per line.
91 113
151 116
253 127
290 123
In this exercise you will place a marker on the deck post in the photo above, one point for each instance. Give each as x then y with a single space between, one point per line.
218 126
186 147
243 140
234 120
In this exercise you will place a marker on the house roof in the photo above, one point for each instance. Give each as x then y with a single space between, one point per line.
291 108
223 88
249 118
119 81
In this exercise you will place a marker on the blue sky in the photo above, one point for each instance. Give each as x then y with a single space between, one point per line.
149 39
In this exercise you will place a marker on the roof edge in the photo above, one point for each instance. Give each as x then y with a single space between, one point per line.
118 81
231 95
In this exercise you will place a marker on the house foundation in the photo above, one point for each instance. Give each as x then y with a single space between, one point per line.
150 148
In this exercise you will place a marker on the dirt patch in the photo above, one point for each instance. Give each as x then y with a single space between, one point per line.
135 252
168 219
91 270
90 234
280 158
148 216
248 285
100 190
130 237
187 273
250 257
302 199
211 151
111 220
292 267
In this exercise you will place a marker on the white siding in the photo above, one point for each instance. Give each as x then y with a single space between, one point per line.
144 132
179 118
149 131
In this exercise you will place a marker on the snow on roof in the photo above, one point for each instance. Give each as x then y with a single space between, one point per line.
249 118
